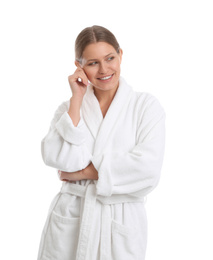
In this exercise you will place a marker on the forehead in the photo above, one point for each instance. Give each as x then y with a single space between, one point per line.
97 50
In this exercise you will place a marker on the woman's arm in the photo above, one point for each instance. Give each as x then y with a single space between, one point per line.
89 173
64 147
78 91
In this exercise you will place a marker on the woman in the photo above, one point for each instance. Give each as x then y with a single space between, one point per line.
107 142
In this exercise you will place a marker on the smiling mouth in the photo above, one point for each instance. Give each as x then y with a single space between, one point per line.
105 78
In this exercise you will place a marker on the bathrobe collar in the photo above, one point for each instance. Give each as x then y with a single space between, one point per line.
102 127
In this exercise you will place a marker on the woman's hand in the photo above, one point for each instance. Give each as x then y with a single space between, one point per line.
89 173
78 88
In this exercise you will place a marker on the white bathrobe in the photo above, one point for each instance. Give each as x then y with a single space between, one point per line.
104 219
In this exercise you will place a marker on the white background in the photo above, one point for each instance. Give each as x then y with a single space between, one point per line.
168 52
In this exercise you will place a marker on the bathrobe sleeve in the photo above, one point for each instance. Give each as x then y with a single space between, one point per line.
64 146
136 172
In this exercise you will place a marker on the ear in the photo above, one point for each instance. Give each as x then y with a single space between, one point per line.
77 64
120 54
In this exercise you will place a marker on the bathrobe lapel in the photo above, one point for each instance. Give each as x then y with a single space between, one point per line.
91 112
100 127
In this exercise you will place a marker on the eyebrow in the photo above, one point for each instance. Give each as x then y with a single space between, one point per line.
104 57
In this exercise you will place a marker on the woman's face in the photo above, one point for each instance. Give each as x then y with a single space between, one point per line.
101 64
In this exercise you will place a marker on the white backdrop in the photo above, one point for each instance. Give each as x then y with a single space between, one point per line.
168 52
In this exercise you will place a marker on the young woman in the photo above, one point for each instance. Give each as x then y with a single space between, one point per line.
107 142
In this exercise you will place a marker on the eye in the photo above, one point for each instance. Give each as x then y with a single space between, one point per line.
93 63
111 58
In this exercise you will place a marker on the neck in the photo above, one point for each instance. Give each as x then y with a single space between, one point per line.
105 98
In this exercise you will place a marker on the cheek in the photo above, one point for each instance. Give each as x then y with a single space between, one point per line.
116 66
90 73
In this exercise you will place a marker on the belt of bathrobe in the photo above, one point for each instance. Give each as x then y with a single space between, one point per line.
90 196
80 191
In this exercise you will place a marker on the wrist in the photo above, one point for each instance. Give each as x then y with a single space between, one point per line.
90 173
74 110
77 100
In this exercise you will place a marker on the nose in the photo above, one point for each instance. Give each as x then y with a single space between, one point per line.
102 68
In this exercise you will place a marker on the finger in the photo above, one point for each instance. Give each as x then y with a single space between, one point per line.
63 176
67 176
71 176
83 81
77 78
81 77
59 174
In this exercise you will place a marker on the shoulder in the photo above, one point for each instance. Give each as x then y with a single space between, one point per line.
146 102
143 102
143 99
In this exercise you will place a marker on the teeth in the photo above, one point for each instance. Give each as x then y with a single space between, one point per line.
105 78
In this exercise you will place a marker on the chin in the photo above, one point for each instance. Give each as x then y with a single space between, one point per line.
106 88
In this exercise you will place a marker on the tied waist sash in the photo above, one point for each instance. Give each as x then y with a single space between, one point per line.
90 196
